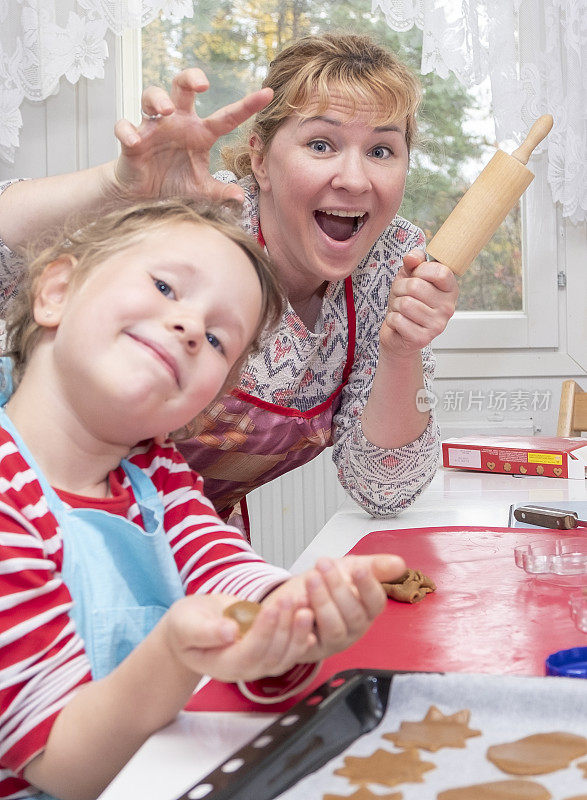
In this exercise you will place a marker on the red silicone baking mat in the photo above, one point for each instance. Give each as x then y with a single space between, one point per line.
487 615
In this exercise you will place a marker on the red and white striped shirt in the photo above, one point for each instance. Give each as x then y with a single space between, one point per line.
42 658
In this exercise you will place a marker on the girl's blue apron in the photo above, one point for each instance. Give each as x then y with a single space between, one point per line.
122 578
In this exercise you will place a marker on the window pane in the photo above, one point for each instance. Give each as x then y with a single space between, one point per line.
234 41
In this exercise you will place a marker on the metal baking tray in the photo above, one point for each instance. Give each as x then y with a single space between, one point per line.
301 740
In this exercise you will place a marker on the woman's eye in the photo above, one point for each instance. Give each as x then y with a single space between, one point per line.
319 146
164 288
214 341
381 152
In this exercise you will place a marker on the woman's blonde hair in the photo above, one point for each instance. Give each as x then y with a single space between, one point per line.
312 67
92 243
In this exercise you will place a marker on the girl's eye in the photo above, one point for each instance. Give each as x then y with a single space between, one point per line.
319 146
164 288
214 341
381 152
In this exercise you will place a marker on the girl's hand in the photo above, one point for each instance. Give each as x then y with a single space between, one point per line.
205 642
422 299
345 595
171 155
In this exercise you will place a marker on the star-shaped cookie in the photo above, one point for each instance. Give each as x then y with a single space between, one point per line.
435 731
385 768
363 793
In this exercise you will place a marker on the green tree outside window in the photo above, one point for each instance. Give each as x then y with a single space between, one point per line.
234 41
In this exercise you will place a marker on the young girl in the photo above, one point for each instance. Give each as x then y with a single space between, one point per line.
114 567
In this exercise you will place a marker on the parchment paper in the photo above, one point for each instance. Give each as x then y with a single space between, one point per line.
503 708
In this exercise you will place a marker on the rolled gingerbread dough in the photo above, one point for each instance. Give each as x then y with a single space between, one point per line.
538 754
499 790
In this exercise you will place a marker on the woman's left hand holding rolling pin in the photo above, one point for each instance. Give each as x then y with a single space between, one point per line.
422 300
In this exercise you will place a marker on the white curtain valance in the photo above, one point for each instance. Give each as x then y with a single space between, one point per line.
43 40
478 39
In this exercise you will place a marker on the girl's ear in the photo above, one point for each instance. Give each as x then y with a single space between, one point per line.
52 289
258 162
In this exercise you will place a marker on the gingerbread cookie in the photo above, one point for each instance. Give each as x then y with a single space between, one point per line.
388 769
583 764
243 613
538 754
411 587
363 794
499 790
435 731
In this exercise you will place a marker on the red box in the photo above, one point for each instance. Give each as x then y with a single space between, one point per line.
547 456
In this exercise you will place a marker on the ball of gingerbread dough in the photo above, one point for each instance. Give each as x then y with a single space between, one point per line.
243 612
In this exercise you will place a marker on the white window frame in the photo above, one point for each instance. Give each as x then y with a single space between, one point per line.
567 316
525 329
549 337
129 74
472 330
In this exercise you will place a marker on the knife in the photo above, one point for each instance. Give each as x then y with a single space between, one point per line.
549 517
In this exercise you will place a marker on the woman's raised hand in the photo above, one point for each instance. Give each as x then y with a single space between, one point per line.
170 155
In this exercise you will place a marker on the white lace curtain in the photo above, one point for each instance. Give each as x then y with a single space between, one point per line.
478 39
43 40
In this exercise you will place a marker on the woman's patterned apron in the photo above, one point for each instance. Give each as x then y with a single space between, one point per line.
245 442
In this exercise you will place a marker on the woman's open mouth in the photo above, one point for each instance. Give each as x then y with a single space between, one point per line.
340 225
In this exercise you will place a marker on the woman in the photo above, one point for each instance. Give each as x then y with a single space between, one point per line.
323 176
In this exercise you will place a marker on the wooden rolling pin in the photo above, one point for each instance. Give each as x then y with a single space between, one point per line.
485 205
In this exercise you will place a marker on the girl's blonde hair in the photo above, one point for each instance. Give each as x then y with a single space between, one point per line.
91 244
312 67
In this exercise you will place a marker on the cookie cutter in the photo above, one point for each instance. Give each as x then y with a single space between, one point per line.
560 561
578 604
